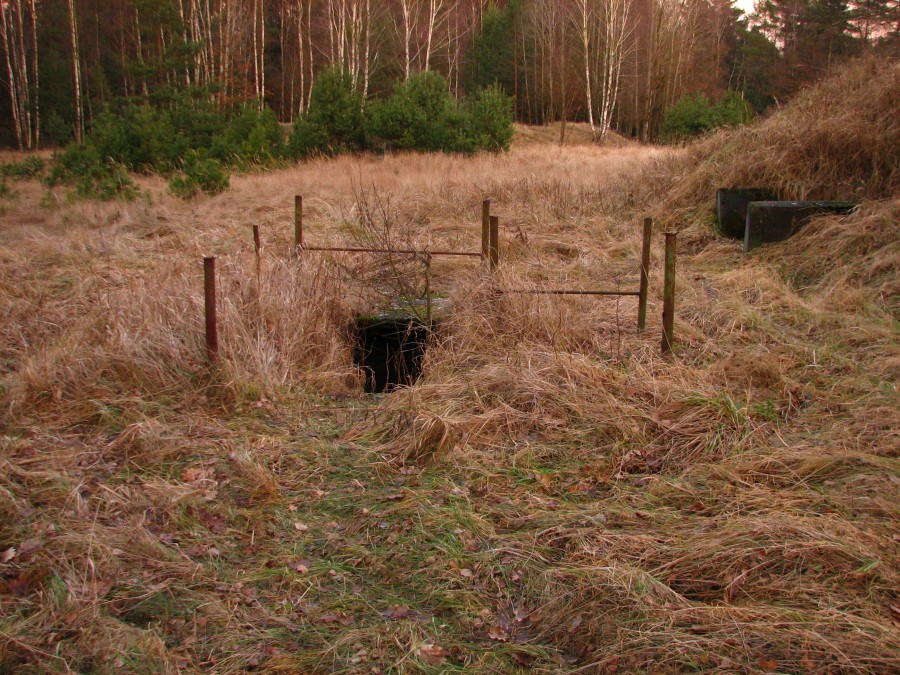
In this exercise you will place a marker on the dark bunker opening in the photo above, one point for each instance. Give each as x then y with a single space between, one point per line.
390 351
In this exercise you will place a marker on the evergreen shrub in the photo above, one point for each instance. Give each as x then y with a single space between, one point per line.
694 115
200 173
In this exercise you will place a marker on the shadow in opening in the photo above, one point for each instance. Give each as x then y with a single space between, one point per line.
390 351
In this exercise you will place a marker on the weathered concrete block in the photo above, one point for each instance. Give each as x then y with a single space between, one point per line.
776 221
731 208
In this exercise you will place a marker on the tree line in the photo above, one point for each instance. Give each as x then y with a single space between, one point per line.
616 64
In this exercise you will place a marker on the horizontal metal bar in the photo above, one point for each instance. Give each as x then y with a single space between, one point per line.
345 249
564 292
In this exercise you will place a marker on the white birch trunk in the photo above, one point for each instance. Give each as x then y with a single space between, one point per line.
76 71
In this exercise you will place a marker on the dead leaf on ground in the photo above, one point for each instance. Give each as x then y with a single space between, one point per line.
432 654
335 617
196 474
7 555
523 659
29 546
768 665
498 633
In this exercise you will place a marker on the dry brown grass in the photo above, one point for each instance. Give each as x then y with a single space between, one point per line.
554 495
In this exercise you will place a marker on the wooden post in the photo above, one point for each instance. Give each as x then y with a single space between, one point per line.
485 229
298 224
209 299
494 245
645 274
428 290
257 247
668 336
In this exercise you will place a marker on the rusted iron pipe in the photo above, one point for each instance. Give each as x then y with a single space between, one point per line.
573 292
347 249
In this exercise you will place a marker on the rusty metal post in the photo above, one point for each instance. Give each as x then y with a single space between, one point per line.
645 274
494 245
209 300
485 229
298 224
668 336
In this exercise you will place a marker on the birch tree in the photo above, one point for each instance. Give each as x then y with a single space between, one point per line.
21 61
76 73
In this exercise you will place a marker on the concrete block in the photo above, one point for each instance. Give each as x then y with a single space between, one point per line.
776 221
731 208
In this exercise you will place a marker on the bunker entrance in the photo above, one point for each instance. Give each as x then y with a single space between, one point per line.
390 351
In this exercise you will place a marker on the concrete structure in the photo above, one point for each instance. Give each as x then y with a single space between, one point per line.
776 221
731 208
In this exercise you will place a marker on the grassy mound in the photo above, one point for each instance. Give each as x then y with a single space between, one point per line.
838 139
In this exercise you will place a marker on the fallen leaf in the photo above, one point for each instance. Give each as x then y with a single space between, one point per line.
523 659
19 585
467 573
498 633
7 555
194 474
213 522
768 665
302 567
334 617
432 654
29 546
300 527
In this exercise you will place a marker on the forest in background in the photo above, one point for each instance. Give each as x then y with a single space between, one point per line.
617 64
